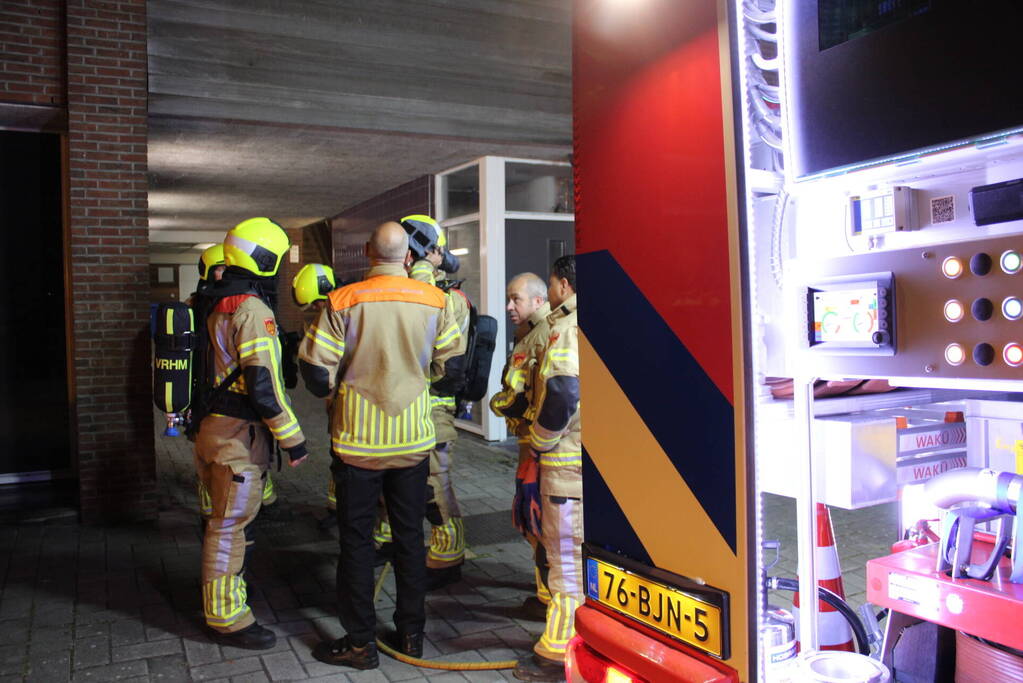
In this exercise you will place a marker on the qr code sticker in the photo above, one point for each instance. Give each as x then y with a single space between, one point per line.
943 209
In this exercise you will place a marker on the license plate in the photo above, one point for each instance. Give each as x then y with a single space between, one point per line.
659 606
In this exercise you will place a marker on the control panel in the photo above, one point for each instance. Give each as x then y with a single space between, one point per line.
944 311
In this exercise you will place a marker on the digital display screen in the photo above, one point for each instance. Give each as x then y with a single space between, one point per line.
844 20
845 315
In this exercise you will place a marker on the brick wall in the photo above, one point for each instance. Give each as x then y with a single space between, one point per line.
32 52
108 243
290 316
352 227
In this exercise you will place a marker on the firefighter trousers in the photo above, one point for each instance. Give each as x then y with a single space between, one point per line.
231 459
562 540
447 536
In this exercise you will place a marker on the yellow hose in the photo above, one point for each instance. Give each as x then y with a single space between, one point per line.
428 663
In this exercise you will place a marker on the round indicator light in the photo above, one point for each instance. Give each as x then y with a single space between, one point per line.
1012 308
983 354
1012 354
952 267
1011 262
954 310
980 264
955 354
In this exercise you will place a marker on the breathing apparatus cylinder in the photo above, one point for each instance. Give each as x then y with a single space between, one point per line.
174 342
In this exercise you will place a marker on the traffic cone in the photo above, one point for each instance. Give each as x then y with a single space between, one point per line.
833 632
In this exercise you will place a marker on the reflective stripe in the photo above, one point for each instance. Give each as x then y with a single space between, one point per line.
560 623
205 503
382 532
224 600
424 269
331 491
542 443
291 427
558 355
350 448
326 340
170 321
570 459
168 395
366 430
449 336
446 401
268 487
447 541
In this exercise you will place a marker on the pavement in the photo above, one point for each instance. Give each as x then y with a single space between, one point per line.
86 603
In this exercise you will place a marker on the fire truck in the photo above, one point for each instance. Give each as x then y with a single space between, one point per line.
829 192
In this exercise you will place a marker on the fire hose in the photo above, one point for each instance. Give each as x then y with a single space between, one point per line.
843 608
429 663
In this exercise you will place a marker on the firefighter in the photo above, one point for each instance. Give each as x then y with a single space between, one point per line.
235 438
211 266
447 535
372 349
211 270
527 309
309 289
554 437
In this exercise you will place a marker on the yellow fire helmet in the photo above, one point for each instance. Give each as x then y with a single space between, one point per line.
257 245
424 234
312 283
210 258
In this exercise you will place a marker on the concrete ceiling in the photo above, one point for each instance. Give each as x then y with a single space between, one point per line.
298 109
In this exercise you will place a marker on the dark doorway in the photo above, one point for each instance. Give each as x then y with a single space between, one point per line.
533 246
34 410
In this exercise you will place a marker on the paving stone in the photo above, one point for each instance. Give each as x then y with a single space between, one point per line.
258 677
14 630
126 632
283 666
49 639
13 658
91 652
226 669
201 652
113 672
169 669
49 668
155 648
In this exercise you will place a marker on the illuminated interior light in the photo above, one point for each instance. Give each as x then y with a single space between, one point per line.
1012 308
952 267
955 354
954 310
1011 262
1012 354
461 251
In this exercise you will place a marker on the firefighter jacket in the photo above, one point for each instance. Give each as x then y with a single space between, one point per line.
243 331
372 347
554 432
423 271
516 392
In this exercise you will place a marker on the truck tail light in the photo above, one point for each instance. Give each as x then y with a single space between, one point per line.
584 665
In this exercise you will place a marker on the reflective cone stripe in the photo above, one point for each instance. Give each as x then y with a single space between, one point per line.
833 632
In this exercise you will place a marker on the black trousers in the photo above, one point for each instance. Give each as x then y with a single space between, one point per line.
358 490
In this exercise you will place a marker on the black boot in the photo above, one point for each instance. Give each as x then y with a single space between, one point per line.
444 576
533 609
409 644
341 652
254 637
538 668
